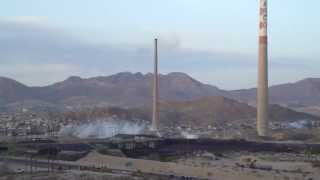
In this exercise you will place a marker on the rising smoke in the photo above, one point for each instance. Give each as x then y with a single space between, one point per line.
103 128
188 135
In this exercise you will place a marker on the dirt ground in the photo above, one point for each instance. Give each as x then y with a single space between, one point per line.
70 175
229 166
222 169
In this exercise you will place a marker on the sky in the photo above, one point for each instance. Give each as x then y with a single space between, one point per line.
214 41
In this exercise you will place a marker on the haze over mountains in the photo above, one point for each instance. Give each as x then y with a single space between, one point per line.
134 89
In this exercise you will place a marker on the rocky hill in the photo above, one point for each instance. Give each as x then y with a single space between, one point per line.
303 95
11 91
215 111
135 89
122 89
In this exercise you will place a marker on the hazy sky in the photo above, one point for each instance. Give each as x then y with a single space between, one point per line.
44 41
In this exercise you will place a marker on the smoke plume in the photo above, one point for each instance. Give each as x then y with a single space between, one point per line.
103 129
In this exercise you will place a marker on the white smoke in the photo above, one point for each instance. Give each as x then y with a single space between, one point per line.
188 135
103 129
299 124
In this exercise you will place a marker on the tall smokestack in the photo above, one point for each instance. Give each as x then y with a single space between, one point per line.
155 113
262 91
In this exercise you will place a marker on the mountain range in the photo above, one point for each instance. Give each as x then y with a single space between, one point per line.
127 89
122 89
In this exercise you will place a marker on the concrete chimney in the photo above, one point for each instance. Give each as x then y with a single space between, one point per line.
262 90
155 110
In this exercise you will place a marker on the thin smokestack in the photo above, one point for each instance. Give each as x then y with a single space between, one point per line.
155 113
262 91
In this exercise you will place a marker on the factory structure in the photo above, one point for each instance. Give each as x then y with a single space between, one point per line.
155 102
262 85
262 89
